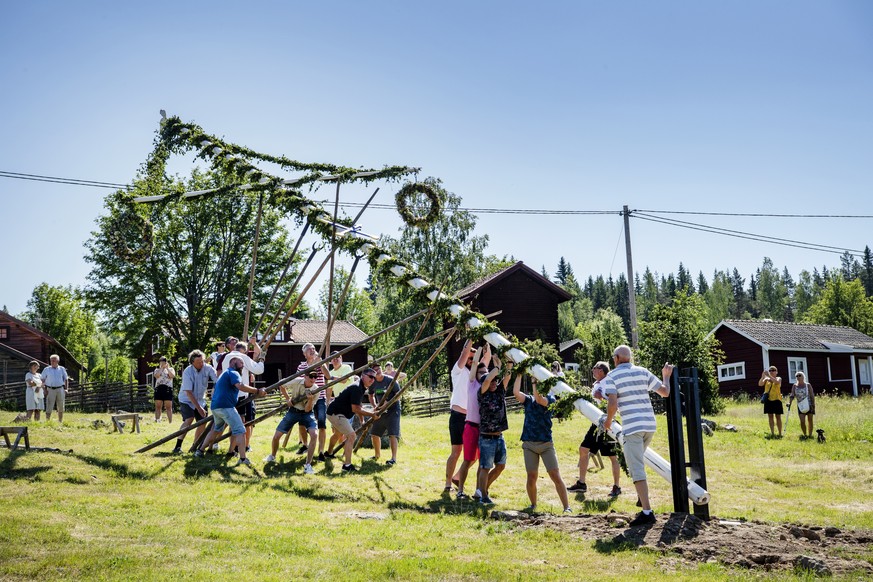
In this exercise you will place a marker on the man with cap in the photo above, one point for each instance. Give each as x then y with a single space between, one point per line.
224 398
324 397
300 394
341 410
389 422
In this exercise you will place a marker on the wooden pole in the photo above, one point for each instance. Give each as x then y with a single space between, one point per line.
245 336
364 427
631 292
284 380
339 379
282 276
271 328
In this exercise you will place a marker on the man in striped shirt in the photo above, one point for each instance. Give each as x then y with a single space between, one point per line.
627 389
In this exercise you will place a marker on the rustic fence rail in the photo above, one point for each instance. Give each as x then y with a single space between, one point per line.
87 397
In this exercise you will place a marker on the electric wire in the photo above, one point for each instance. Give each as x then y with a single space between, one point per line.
756 238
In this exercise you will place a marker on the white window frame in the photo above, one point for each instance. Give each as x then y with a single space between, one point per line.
740 372
795 365
864 371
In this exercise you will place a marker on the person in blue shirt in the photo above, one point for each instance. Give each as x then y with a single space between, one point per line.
536 436
224 401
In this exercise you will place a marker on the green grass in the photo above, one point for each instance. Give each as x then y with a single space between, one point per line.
104 513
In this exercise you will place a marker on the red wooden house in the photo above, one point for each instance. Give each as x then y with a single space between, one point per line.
528 303
835 359
20 343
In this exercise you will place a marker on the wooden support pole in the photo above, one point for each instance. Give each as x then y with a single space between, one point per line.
281 279
245 336
341 378
272 387
364 427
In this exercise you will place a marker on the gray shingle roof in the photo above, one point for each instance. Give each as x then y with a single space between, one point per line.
313 331
800 336
467 292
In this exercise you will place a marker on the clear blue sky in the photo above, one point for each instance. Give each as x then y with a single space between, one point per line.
755 106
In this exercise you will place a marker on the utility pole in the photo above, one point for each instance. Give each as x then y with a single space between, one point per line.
631 292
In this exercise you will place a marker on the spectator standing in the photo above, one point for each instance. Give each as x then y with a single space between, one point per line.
57 382
163 376
34 393
626 388
803 392
772 385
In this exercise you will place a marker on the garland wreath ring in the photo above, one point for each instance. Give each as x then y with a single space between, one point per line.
129 224
402 200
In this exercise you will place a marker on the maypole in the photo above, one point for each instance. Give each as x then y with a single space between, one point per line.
234 160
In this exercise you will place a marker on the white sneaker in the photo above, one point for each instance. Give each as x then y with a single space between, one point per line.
245 461
269 459
477 495
308 470
568 510
215 447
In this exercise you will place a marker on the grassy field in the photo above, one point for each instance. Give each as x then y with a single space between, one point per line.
103 513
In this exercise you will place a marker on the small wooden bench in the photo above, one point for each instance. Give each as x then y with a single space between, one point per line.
20 431
131 416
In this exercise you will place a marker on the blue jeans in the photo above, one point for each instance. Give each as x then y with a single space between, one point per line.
491 451
320 411
292 417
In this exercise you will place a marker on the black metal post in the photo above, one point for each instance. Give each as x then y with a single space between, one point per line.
677 446
696 462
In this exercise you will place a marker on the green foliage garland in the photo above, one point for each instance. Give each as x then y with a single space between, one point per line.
128 225
402 200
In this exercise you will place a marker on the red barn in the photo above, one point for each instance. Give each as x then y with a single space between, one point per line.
20 343
528 303
835 359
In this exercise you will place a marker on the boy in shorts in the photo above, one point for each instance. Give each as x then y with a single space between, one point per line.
595 442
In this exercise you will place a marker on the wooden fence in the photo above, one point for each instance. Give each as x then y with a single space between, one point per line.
100 397
87 397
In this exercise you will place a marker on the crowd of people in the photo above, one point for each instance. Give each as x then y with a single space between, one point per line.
478 420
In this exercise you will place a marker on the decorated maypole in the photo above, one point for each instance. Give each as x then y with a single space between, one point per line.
177 137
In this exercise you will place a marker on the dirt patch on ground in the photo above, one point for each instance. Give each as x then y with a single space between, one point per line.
684 538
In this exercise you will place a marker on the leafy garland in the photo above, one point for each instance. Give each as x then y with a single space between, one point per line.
230 159
130 224
402 200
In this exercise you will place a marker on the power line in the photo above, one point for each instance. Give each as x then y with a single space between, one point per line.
528 211
756 214
751 236
58 180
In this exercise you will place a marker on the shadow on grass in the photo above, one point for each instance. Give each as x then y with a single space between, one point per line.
9 471
595 505
120 469
226 467
445 504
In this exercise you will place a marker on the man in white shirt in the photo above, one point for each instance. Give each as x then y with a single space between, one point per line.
57 382
192 396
